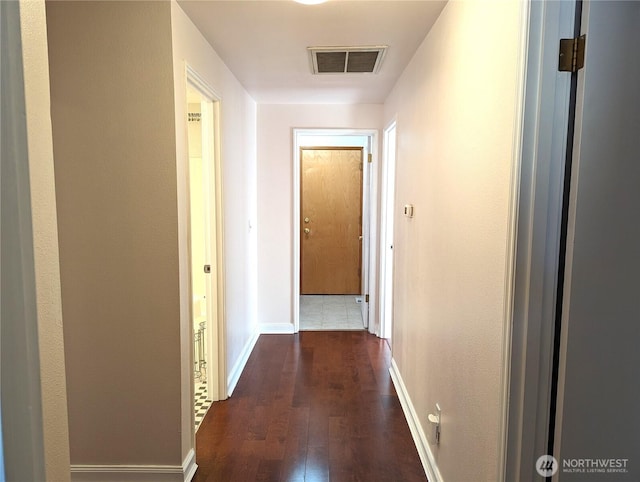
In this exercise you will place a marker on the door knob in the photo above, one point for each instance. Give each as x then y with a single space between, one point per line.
307 230
306 220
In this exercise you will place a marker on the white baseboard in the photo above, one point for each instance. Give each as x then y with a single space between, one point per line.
136 473
236 371
276 329
189 466
419 437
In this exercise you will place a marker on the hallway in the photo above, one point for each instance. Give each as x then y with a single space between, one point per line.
316 406
101 233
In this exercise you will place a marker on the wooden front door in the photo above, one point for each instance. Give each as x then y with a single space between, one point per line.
331 220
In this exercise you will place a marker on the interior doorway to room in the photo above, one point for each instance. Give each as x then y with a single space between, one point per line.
204 248
332 265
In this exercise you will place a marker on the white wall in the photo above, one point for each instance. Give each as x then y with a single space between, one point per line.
238 157
456 119
275 195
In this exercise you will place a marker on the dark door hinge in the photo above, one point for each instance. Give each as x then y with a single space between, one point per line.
571 57
366 298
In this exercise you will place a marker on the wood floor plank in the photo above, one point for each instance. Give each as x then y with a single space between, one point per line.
316 406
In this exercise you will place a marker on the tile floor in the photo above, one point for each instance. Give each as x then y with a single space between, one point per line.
201 403
330 312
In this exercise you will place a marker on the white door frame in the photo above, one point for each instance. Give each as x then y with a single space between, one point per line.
369 218
386 231
215 334
544 140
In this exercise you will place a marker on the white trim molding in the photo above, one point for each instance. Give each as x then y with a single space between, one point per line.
136 473
236 371
277 329
419 437
199 82
189 466
512 239
544 138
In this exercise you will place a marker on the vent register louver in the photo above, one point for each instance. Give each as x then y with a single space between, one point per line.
346 60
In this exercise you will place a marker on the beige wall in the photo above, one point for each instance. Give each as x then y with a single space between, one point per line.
114 146
456 121
275 194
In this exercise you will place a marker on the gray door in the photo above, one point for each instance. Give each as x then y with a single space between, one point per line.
599 380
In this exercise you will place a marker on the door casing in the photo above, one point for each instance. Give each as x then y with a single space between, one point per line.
369 221
387 207
528 359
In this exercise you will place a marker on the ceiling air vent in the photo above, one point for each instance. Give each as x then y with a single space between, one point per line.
346 60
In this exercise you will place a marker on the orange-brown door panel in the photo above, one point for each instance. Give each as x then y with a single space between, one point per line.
331 220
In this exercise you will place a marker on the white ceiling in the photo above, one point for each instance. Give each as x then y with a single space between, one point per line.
264 43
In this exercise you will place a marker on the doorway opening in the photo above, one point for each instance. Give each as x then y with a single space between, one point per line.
386 232
205 247
333 179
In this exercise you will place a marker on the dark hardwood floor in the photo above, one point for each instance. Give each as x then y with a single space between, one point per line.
316 406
